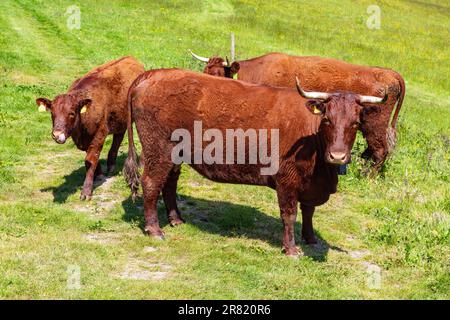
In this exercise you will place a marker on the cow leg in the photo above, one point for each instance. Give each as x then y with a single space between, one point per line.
170 197
379 157
112 154
98 172
367 154
287 201
91 163
141 160
375 135
307 225
153 181
377 146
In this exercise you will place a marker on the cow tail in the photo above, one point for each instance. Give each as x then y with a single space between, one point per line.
392 130
400 98
131 166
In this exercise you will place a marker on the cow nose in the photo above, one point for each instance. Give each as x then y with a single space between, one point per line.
338 156
59 136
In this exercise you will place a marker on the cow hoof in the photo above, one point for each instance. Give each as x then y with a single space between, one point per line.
158 236
293 253
309 240
293 256
374 170
100 178
84 197
155 234
176 222
111 170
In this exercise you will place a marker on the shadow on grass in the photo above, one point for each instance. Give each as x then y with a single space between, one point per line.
229 220
74 181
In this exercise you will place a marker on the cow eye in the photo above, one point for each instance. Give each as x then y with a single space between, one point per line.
326 122
355 125
72 115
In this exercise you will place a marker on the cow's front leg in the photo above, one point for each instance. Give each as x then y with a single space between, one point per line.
307 225
98 175
91 163
287 200
112 154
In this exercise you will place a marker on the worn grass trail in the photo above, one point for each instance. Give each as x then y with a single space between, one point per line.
397 223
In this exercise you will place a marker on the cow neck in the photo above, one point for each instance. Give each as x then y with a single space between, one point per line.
330 170
79 133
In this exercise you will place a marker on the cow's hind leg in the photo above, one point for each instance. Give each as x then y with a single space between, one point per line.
112 154
377 146
375 124
307 225
156 173
170 197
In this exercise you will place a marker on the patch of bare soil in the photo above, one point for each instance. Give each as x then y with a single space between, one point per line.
137 269
358 254
149 249
103 199
103 238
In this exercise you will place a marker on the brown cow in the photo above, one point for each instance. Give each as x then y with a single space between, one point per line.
328 75
94 106
316 133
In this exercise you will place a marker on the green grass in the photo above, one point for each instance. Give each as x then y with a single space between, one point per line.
230 245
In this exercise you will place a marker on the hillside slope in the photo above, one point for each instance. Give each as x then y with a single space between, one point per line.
396 225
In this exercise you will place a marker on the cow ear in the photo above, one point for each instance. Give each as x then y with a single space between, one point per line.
83 105
44 104
234 68
316 107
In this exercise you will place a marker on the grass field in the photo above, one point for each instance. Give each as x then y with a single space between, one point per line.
230 246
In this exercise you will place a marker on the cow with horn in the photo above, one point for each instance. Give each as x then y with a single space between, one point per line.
315 134
327 75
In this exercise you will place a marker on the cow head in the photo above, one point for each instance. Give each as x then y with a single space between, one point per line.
66 110
341 116
219 67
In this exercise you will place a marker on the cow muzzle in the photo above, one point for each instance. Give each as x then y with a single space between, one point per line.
59 136
338 158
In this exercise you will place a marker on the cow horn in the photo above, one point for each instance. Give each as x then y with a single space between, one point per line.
203 59
311 94
372 99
